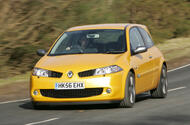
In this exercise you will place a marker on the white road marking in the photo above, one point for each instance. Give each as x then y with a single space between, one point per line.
178 68
20 100
48 120
29 98
170 90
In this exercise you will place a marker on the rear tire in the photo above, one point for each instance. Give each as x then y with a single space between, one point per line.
130 93
162 90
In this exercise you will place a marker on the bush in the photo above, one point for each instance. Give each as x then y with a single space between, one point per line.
180 31
23 57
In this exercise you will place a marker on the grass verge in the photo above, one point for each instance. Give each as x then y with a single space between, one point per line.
175 48
15 79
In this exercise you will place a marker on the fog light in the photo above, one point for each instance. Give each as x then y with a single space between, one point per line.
35 92
108 90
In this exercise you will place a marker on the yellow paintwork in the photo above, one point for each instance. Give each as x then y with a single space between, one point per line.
149 70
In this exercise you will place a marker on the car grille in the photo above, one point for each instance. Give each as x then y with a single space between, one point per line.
72 93
86 73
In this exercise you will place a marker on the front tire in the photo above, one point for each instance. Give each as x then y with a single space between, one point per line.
162 90
130 93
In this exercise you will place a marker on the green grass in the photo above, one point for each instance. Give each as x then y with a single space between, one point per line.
15 79
174 48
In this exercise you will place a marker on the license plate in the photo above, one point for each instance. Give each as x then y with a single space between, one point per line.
70 85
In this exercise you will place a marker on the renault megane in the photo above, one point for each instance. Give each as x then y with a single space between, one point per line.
99 63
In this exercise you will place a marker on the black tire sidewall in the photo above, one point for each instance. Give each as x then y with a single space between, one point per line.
161 83
127 94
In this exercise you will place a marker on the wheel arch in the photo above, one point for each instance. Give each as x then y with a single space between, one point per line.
132 70
165 64
124 85
162 63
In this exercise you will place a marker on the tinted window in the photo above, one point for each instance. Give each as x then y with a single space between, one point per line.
148 40
135 39
90 41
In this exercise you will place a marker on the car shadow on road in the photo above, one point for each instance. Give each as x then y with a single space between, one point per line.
62 106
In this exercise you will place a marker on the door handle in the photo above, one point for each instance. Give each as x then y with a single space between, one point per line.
150 57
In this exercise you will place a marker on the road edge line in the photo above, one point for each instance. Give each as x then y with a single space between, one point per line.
178 68
178 88
44 121
19 100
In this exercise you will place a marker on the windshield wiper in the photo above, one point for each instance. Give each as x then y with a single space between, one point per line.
57 54
114 52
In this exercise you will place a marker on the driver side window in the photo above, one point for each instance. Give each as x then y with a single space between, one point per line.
135 39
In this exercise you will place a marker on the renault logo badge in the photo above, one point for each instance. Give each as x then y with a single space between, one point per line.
70 74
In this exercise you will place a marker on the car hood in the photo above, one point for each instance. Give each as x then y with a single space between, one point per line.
77 63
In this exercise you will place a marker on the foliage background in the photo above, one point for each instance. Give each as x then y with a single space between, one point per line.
27 25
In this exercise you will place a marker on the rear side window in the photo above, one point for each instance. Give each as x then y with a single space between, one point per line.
135 39
147 39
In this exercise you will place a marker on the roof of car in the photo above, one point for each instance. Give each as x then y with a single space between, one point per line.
101 26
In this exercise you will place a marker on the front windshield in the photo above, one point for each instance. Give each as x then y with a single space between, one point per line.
90 41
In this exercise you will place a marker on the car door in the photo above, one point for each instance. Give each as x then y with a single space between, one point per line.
140 62
152 54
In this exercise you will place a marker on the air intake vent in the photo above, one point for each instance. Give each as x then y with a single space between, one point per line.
72 93
55 74
86 73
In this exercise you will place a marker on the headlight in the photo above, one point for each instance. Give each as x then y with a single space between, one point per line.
40 72
107 70
46 73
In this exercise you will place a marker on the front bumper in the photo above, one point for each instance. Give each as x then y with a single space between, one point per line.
114 81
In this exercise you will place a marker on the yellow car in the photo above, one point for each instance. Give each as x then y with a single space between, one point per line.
99 64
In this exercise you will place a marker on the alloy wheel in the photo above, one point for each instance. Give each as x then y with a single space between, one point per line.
164 81
131 90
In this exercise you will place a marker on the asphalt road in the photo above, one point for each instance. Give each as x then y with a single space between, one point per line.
174 110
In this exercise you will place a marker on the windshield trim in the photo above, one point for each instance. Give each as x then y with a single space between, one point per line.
109 53
88 53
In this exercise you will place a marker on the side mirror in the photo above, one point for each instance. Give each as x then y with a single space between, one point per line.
41 52
140 49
